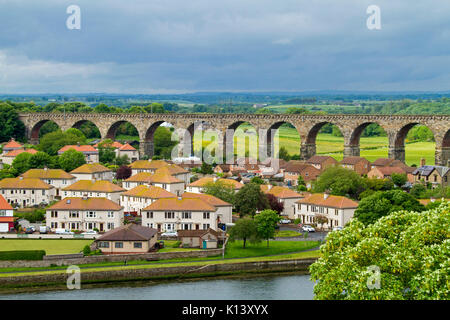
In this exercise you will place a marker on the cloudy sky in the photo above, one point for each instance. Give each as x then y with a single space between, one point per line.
165 46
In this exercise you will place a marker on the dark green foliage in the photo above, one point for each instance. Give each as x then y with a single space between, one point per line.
21 163
53 141
249 199
37 215
340 182
245 229
11 126
71 159
22 255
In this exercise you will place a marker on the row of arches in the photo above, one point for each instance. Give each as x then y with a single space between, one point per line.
280 134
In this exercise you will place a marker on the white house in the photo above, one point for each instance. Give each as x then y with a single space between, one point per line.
93 171
94 189
26 192
6 216
55 177
139 197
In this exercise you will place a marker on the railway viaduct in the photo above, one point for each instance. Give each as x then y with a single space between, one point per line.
351 126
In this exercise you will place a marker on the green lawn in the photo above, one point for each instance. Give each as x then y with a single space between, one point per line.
53 246
287 233
235 249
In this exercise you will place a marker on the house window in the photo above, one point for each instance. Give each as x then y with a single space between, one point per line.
110 214
103 244
54 214
169 226
118 245
137 245
206 226
2 213
110 225
90 214
169 215
205 215
149 215
187 215
73 214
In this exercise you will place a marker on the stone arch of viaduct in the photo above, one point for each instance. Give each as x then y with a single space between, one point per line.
351 126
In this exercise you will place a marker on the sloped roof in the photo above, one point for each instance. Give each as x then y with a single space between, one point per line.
47 174
183 204
129 232
299 166
4 205
115 144
127 147
212 200
280 192
12 144
382 162
73 203
338 202
205 180
94 186
387 171
151 192
319 159
90 168
163 175
173 169
196 233
427 170
146 164
16 152
24 183
353 160
140 177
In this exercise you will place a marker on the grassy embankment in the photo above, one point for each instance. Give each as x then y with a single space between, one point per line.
51 246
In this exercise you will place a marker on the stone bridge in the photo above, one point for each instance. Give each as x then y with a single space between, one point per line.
351 126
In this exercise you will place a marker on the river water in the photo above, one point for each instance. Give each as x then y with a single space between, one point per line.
280 287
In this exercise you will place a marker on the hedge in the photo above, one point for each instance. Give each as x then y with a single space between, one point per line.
22 255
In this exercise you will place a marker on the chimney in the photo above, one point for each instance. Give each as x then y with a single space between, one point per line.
214 179
422 162
45 168
326 194
269 186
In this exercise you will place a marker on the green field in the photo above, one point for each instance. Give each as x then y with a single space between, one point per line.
53 246
235 250
371 148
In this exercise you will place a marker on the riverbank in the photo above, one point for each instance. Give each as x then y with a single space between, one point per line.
10 283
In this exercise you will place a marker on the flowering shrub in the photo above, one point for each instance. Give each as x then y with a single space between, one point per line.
411 250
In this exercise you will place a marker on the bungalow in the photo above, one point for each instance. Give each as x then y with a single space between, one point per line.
180 214
358 164
85 214
205 239
94 189
90 153
129 238
9 157
142 196
296 168
55 177
6 216
335 210
198 185
322 162
146 166
285 196
92 171
26 192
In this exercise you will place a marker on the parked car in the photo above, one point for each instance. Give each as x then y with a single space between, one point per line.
337 228
90 232
43 229
285 221
169 234
307 228
29 230
63 231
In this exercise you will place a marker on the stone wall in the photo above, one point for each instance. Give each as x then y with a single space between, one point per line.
181 271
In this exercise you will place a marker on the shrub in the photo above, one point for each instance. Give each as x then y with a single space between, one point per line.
176 244
22 255
86 250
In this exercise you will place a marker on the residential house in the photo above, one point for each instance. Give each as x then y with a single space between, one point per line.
12 145
285 196
9 157
180 214
296 168
6 215
384 172
224 209
223 168
198 185
337 210
115 145
85 214
126 239
149 166
436 175
26 192
90 153
205 239
387 162
94 189
358 164
142 196
92 171
161 179
129 151
322 162
55 177
175 171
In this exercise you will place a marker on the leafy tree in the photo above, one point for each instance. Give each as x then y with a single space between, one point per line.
284 154
382 203
409 249
163 143
40 160
124 172
106 154
418 191
250 199
274 204
11 126
399 179
257 180
71 159
340 182
206 168
21 163
244 229
53 141
122 160
301 184
266 222
220 190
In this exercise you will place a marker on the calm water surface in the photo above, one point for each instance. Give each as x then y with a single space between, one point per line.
288 287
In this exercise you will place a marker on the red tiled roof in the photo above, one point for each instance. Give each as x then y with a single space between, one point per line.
4 205
127 147
184 204
129 232
72 203
331 201
81 148
12 144
6 219
16 152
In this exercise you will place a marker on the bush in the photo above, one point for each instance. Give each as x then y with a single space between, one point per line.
22 255
86 250
176 244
